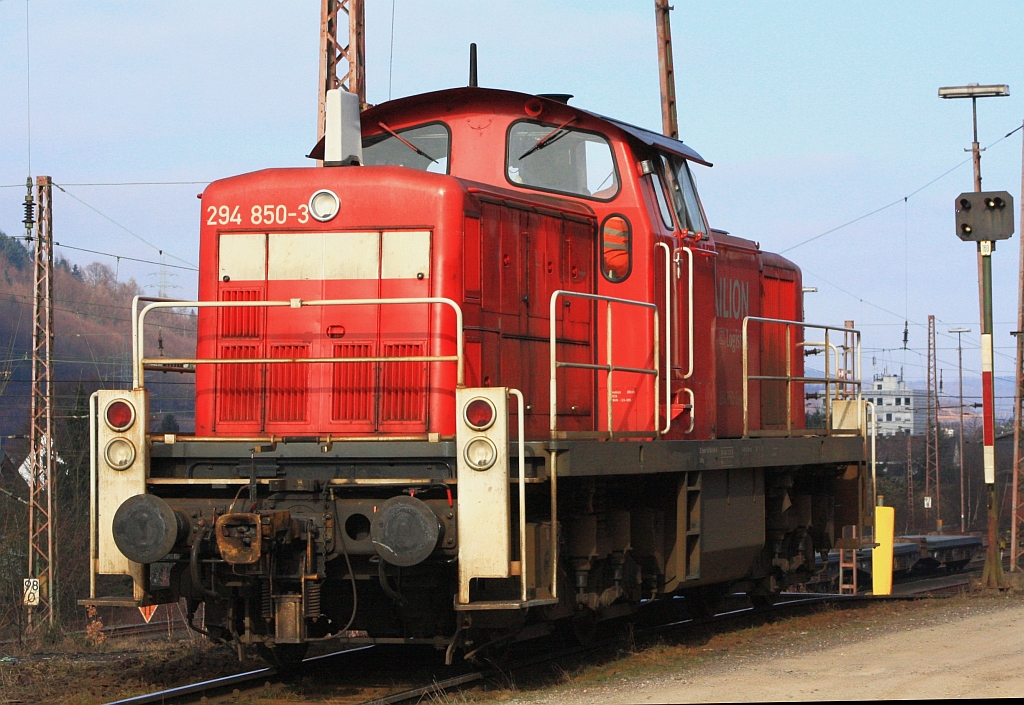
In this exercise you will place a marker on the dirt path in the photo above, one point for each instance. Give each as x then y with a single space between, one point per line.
957 648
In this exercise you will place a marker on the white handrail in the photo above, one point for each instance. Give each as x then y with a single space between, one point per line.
689 304
139 328
610 368
521 446
789 379
668 336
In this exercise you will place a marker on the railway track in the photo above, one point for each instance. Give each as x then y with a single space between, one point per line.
735 612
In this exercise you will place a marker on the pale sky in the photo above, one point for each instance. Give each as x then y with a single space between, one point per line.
813 113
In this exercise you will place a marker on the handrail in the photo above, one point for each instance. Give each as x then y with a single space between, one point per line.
139 327
689 303
870 406
610 368
669 320
828 380
521 447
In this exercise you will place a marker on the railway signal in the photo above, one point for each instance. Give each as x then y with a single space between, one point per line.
984 216
991 225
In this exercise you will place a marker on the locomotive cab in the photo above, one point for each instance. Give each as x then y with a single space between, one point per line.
494 372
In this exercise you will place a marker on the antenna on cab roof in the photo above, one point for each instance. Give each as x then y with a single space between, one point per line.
472 66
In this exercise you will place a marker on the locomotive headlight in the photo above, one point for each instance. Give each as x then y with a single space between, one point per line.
119 453
481 453
324 205
479 414
120 415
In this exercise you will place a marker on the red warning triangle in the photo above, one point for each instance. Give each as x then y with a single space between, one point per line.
148 611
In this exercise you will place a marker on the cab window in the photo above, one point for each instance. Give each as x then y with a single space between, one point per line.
557 158
616 248
659 195
684 194
425 147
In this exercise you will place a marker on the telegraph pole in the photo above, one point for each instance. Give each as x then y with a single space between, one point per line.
1017 518
667 75
40 588
342 38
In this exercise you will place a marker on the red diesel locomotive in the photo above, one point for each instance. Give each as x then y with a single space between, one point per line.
485 371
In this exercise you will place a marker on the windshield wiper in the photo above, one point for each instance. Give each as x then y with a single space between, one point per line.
406 142
547 139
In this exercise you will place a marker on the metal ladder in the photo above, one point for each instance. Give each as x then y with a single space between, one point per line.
848 564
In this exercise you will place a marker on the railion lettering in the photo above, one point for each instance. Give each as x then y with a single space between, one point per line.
732 298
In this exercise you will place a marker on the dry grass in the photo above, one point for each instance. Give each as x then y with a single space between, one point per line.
113 669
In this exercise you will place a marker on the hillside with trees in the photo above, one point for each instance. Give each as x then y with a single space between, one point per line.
92 350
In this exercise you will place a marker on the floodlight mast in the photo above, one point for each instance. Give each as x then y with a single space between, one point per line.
975 91
992 577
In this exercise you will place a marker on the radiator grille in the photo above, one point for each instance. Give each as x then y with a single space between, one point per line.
353 383
241 322
288 385
240 387
403 387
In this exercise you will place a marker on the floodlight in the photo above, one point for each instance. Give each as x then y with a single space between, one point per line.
973 90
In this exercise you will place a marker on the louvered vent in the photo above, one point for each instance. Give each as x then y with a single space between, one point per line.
239 386
241 322
404 385
288 385
353 384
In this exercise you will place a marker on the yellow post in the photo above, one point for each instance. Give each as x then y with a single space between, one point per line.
881 555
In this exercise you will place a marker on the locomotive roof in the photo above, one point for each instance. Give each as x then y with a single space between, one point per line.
489 98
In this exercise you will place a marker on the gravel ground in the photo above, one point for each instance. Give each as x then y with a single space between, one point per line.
966 646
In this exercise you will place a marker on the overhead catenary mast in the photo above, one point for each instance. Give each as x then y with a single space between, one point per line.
667 75
41 586
342 52
932 486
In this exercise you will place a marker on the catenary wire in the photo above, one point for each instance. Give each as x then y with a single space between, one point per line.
903 199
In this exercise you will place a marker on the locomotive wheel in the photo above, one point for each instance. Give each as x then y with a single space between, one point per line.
285 656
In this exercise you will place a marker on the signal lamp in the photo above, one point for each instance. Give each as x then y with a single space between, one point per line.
119 454
324 205
120 415
479 414
481 453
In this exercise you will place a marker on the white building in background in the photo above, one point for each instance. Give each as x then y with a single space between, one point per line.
899 409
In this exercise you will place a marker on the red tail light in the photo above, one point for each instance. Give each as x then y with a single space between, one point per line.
120 415
479 414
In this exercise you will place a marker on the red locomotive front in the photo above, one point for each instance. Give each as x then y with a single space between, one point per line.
487 370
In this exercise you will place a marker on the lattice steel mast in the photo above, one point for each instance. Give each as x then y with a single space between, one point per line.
911 520
931 454
42 561
338 45
666 73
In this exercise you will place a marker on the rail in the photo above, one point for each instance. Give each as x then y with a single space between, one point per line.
140 363
610 367
835 386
